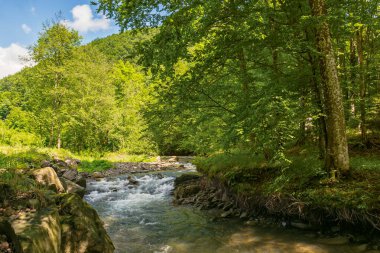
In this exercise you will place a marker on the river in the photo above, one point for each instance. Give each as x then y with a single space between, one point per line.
141 219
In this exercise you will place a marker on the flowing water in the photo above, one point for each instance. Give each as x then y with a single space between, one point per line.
141 219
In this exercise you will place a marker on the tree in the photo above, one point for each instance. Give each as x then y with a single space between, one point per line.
235 61
54 46
337 148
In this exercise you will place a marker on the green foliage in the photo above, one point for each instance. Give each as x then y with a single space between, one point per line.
20 158
95 165
15 137
303 179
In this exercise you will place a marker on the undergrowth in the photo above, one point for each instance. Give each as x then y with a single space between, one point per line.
303 179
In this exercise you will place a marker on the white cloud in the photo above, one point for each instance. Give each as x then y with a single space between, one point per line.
33 10
10 61
26 28
84 21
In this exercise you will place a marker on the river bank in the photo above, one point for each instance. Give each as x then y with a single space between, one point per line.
142 218
261 197
42 210
324 223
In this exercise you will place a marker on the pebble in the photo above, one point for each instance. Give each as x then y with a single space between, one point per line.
4 245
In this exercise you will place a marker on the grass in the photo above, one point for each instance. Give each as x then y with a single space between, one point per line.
24 157
94 165
303 179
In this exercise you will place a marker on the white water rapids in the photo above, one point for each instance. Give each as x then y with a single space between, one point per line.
140 218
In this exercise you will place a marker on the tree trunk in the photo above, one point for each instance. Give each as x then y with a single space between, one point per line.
336 159
353 77
59 141
362 87
322 131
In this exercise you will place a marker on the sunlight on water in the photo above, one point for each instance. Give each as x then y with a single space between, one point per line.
140 218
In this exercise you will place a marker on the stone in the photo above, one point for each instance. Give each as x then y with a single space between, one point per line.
70 174
48 176
8 233
300 225
72 163
173 159
132 181
185 178
74 188
252 223
227 206
81 181
82 229
243 215
60 165
45 163
186 191
97 174
41 234
226 214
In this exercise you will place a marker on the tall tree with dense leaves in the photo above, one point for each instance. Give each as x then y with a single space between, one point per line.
232 37
54 46
337 148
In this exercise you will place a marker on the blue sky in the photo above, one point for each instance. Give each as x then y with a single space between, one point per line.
22 20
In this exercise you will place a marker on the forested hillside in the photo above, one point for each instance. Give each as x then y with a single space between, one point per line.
259 78
78 97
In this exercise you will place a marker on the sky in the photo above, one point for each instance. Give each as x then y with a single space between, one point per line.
22 20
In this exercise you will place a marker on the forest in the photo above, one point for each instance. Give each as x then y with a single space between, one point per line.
260 78
292 86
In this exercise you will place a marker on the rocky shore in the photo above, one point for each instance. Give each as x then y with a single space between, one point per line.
213 196
50 216
132 168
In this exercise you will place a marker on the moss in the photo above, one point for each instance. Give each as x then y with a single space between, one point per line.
303 181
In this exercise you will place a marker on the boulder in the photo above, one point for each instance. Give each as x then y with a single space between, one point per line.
173 159
300 225
185 178
186 191
82 229
72 187
72 163
60 165
48 176
40 233
97 174
45 163
227 214
81 181
132 181
70 174
7 230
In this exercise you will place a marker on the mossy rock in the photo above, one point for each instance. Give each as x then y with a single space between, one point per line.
185 191
7 230
39 232
185 178
82 229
